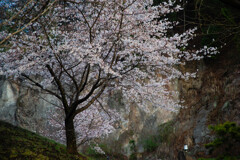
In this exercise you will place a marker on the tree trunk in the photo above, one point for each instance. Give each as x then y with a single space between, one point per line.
70 136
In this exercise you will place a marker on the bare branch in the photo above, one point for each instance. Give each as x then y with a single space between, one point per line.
41 87
91 101
29 23
60 87
14 16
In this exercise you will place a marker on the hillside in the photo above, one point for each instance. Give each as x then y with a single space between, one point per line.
18 143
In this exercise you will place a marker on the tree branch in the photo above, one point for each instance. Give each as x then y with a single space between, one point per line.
29 23
91 101
60 87
41 87
14 16
79 101
83 81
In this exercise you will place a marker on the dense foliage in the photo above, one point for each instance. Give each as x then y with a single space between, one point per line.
227 141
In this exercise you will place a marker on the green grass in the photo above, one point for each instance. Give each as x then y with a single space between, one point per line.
18 143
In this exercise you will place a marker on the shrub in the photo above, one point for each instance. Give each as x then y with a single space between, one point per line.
133 155
150 144
165 131
225 145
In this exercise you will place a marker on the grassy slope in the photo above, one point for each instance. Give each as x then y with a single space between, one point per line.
18 143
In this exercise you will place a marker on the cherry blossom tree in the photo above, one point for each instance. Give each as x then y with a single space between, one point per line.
78 50
92 123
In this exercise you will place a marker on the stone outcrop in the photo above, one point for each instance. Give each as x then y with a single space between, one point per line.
24 107
137 124
8 101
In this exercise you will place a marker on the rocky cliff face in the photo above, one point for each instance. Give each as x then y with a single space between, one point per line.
137 124
211 98
9 95
24 107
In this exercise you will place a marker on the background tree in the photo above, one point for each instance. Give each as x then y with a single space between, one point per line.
79 50
218 21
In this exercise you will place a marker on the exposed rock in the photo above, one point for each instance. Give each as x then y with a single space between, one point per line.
24 107
137 124
8 101
211 98
200 131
